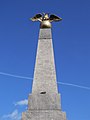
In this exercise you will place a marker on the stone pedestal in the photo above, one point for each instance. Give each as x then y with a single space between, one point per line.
44 102
44 115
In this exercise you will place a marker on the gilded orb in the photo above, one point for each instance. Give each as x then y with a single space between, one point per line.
45 24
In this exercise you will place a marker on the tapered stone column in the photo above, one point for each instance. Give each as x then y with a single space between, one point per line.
44 102
45 74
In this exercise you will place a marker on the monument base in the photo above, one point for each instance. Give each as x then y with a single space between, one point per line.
43 115
44 102
44 107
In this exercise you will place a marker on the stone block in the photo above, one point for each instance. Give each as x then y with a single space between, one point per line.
44 115
44 102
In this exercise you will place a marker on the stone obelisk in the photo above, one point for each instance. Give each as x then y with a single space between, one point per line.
44 102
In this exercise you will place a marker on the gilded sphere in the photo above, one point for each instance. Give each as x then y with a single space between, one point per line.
45 24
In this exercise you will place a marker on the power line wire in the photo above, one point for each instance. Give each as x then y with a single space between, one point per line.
16 76
61 83
74 85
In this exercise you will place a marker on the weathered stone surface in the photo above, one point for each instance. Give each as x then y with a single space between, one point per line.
44 102
45 34
44 115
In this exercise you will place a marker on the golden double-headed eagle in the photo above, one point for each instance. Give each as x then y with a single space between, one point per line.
46 19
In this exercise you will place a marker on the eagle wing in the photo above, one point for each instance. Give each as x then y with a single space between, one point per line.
37 17
54 18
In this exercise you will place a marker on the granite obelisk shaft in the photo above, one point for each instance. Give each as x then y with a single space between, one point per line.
44 102
45 74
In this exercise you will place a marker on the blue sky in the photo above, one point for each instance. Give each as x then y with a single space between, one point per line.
18 44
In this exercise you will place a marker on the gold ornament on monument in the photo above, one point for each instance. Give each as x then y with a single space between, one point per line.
46 19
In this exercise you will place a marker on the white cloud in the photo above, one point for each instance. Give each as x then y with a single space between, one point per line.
12 116
15 115
22 102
